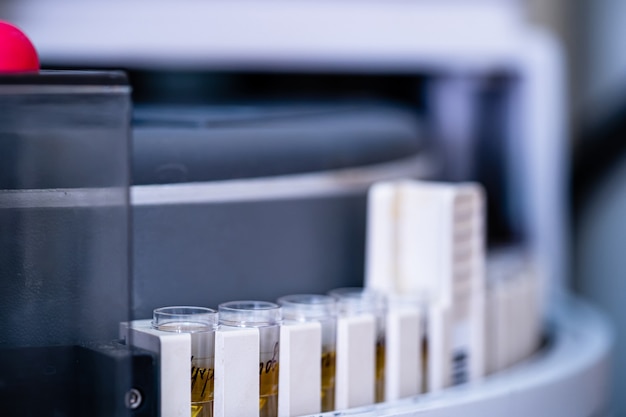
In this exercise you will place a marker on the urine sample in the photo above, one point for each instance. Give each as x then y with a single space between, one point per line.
266 317
358 300
321 309
200 323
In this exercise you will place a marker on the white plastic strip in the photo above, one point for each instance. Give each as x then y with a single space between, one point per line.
236 372
380 267
356 358
438 351
403 367
424 241
328 183
300 377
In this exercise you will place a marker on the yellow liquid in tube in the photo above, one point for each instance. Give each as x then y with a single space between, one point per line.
328 381
202 384
268 384
380 371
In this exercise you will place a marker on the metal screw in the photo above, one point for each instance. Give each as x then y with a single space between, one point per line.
133 399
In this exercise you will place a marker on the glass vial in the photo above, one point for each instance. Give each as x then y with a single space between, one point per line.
358 300
200 323
322 309
266 317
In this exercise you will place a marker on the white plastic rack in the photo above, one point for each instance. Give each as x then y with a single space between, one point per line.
567 377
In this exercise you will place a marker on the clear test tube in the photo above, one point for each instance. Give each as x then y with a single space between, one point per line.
267 318
358 300
322 309
200 323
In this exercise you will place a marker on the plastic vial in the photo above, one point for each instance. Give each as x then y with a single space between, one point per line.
200 323
266 317
322 309
358 300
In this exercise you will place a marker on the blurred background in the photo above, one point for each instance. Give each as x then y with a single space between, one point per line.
164 48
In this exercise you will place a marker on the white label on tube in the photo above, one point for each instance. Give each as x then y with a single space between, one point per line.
403 354
174 350
236 372
300 380
355 362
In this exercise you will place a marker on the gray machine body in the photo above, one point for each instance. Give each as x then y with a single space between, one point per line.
276 204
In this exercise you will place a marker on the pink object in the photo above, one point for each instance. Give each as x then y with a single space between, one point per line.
17 53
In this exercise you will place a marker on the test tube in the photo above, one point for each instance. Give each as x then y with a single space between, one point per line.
322 309
266 317
200 323
358 300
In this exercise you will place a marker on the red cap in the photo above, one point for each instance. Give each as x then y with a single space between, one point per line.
17 53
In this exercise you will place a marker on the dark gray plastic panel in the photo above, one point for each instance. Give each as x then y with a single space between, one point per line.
178 145
205 254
